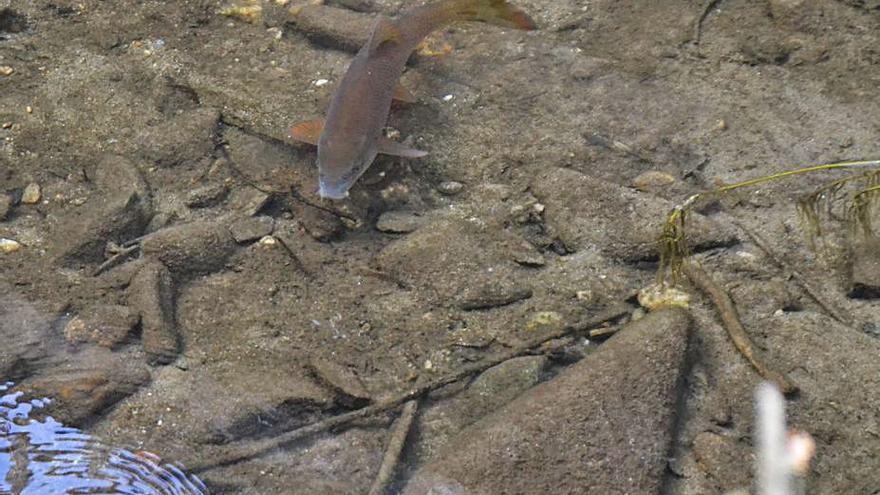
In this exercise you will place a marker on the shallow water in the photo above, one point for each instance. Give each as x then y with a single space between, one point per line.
39 455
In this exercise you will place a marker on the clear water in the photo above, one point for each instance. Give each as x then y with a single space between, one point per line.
40 456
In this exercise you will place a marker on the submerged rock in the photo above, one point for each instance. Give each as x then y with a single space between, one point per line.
588 212
602 426
106 325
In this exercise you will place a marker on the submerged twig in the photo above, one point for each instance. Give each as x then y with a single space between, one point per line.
395 447
730 319
110 262
240 453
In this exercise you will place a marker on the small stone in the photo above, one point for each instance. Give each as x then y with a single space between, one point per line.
106 325
9 245
31 194
398 222
29 109
450 187
652 180
205 196
269 241
250 229
6 125
5 206
6 70
350 391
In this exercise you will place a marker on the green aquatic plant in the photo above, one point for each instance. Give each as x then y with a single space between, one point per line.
859 192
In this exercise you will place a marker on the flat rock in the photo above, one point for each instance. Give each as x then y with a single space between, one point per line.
865 283
250 229
206 196
589 212
118 210
85 384
151 294
453 255
603 426
398 222
107 325
25 330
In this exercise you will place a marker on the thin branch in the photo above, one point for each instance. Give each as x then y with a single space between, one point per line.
735 329
238 453
395 447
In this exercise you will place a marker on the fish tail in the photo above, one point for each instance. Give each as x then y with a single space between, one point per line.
495 12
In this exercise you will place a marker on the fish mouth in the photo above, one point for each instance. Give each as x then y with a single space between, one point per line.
327 191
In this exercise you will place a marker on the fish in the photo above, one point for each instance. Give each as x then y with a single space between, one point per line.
350 136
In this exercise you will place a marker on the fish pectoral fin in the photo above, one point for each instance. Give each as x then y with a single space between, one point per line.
308 131
389 147
403 94
384 32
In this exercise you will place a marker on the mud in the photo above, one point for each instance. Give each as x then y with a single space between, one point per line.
179 286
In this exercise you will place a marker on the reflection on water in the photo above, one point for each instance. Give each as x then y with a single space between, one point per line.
45 457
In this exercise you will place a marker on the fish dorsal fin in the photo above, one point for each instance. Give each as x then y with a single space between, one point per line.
403 94
384 32
308 131
393 148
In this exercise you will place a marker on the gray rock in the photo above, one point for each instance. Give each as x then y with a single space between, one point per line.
625 224
151 294
87 383
452 255
250 229
205 196
602 426
865 282
248 200
25 330
398 222
118 211
107 325
190 249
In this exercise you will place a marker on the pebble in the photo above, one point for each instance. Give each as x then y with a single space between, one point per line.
32 194
6 70
9 245
398 222
450 187
652 180
251 229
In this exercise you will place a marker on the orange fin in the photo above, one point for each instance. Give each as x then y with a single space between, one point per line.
389 147
384 32
308 131
403 94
